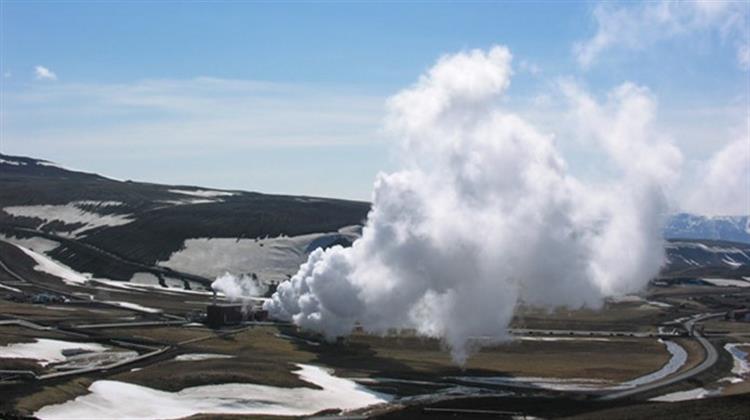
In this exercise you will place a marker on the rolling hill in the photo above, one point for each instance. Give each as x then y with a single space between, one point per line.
120 230
145 224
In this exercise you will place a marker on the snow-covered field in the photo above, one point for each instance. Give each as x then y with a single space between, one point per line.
203 193
195 357
272 259
95 359
142 281
45 350
49 266
12 289
147 282
741 366
71 213
637 299
122 400
692 394
36 244
552 339
740 370
12 162
727 282
133 306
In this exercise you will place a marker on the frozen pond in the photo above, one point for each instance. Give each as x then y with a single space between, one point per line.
122 400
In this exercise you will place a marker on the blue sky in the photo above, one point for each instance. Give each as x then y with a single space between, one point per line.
288 97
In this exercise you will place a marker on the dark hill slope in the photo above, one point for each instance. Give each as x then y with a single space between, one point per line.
160 217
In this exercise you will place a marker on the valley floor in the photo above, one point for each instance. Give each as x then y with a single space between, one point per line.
105 338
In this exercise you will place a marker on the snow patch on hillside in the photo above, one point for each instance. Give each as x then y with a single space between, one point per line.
113 399
147 282
12 289
693 394
203 193
36 243
187 201
741 366
727 282
49 266
196 357
71 213
45 350
272 259
12 162
133 306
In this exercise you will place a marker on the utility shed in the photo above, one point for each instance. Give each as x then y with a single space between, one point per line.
738 315
221 314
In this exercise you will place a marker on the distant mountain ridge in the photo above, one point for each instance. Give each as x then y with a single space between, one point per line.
723 228
26 166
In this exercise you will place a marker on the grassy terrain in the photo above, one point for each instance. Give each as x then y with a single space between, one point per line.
40 396
259 357
736 407
695 352
420 358
730 327
624 316
15 334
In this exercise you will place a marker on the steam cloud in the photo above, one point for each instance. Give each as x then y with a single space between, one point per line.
238 288
483 215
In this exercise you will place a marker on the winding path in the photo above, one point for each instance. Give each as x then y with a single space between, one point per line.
710 359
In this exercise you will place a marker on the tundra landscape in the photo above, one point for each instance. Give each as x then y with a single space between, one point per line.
493 223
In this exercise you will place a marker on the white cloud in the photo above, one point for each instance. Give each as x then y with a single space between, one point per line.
43 73
637 26
723 183
167 114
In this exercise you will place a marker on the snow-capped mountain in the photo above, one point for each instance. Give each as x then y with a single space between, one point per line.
697 258
724 228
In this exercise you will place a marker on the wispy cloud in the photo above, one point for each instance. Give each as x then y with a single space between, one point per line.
43 73
526 66
636 26
172 113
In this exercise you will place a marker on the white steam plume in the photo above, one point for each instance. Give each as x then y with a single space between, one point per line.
238 288
483 215
723 188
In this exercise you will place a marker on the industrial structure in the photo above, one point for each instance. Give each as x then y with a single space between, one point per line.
738 315
222 314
